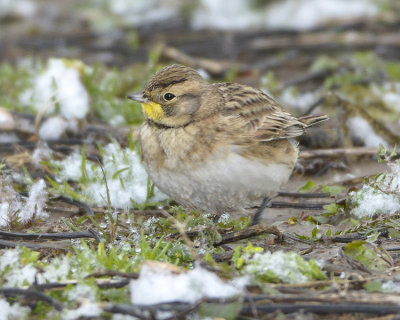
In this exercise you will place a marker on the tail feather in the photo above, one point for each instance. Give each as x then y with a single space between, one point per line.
309 121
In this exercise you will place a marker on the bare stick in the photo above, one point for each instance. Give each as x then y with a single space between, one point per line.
338 152
45 236
304 194
252 231
31 293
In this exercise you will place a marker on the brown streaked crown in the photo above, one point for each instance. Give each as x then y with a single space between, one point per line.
171 75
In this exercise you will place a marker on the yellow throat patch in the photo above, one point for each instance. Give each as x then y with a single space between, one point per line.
153 111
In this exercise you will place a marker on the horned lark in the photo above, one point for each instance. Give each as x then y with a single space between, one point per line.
218 148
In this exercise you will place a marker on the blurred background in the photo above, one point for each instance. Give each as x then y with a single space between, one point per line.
75 61
252 32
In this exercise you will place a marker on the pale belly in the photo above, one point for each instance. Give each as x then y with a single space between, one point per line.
231 184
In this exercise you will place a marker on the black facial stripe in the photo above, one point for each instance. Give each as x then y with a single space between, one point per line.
163 126
167 83
169 111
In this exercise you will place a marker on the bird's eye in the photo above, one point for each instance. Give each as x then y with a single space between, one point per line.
169 96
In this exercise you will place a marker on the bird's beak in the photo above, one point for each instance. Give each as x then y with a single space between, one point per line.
138 97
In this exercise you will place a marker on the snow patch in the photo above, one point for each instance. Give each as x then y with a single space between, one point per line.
361 129
283 265
390 94
392 100
60 85
6 137
16 274
308 14
296 100
154 286
288 14
20 8
144 12
86 310
12 311
380 196
36 202
391 286
71 168
53 128
217 14
117 120
126 177
57 270
9 258
42 152
11 203
370 201
82 291
20 275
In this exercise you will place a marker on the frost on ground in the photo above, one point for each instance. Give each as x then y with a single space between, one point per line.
41 153
127 179
282 266
57 270
54 127
12 311
13 271
14 206
85 310
82 291
154 286
16 271
380 196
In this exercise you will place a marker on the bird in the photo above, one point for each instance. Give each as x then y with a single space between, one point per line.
216 147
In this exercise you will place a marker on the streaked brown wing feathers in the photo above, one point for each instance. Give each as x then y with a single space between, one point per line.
257 115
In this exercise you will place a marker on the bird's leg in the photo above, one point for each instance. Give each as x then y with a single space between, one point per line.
256 218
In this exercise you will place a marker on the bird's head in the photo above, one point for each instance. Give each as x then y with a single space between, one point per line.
172 96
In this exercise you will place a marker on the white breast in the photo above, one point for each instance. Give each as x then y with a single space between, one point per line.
222 184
